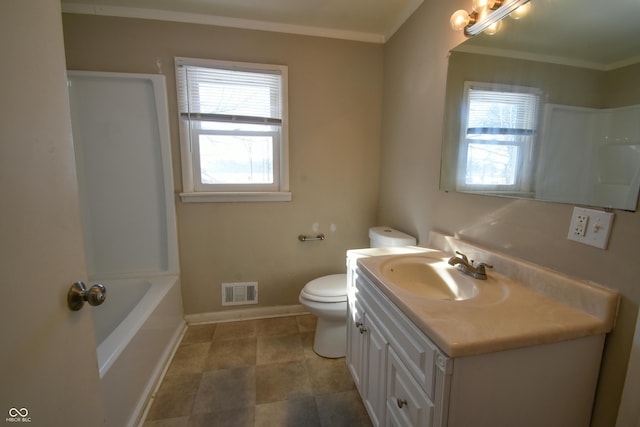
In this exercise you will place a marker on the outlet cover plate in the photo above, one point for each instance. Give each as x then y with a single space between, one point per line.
591 227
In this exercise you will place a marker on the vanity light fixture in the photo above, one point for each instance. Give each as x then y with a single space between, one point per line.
521 12
486 15
493 28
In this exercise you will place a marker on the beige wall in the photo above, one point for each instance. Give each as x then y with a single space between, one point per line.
622 86
335 95
414 87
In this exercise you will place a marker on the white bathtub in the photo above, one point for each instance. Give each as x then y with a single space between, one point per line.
137 328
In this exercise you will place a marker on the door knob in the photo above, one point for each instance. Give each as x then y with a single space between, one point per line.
79 293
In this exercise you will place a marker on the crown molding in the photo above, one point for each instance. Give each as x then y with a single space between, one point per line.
222 21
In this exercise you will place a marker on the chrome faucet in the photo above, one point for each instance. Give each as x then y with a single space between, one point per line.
463 264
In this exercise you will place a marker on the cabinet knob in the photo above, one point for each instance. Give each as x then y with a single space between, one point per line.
358 324
401 402
362 330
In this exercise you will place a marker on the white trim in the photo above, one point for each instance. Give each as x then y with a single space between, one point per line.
196 191
222 21
245 314
523 176
203 197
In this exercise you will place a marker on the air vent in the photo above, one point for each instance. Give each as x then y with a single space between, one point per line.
240 293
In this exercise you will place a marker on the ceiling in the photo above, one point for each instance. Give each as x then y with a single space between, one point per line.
363 20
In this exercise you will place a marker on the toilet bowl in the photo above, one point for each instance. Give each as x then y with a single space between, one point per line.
326 298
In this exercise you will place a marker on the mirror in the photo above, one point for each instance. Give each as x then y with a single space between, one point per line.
549 107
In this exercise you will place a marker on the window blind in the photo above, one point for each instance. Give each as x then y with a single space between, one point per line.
229 95
496 112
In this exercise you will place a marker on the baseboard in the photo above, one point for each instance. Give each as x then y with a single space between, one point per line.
245 314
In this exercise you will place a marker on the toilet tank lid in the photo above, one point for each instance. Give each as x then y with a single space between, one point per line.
333 285
391 237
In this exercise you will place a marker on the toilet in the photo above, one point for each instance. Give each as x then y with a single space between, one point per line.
326 298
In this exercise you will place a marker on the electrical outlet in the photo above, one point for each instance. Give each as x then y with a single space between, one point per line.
580 227
590 227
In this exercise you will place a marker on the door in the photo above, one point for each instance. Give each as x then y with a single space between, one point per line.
48 363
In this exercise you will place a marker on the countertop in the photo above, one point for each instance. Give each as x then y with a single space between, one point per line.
505 314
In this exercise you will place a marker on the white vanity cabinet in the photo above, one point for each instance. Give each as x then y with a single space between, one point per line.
405 380
400 374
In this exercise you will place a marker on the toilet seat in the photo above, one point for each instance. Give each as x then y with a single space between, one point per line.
332 288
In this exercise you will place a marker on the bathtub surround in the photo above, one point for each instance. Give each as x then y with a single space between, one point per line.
123 158
270 373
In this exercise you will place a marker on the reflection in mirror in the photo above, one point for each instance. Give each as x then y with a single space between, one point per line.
548 108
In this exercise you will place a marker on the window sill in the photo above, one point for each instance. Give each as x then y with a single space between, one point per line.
202 197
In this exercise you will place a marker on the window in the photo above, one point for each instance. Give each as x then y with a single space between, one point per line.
499 128
233 130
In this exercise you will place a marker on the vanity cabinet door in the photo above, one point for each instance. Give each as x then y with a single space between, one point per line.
355 344
367 359
376 370
418 353
398 371
407 404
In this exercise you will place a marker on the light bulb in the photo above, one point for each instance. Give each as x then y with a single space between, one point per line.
459 19
521 11
493 28
480 5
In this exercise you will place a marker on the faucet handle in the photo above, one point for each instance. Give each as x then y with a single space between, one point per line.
481 267
463 256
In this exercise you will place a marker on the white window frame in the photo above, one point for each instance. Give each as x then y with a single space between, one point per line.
194 191
526 144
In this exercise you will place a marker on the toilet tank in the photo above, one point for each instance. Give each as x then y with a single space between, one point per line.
384 237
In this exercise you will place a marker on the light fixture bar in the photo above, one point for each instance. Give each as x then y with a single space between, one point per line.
493 16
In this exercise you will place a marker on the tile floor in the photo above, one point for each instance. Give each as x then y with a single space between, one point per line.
255 373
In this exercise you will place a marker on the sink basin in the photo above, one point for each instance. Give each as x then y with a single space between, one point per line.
428 277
